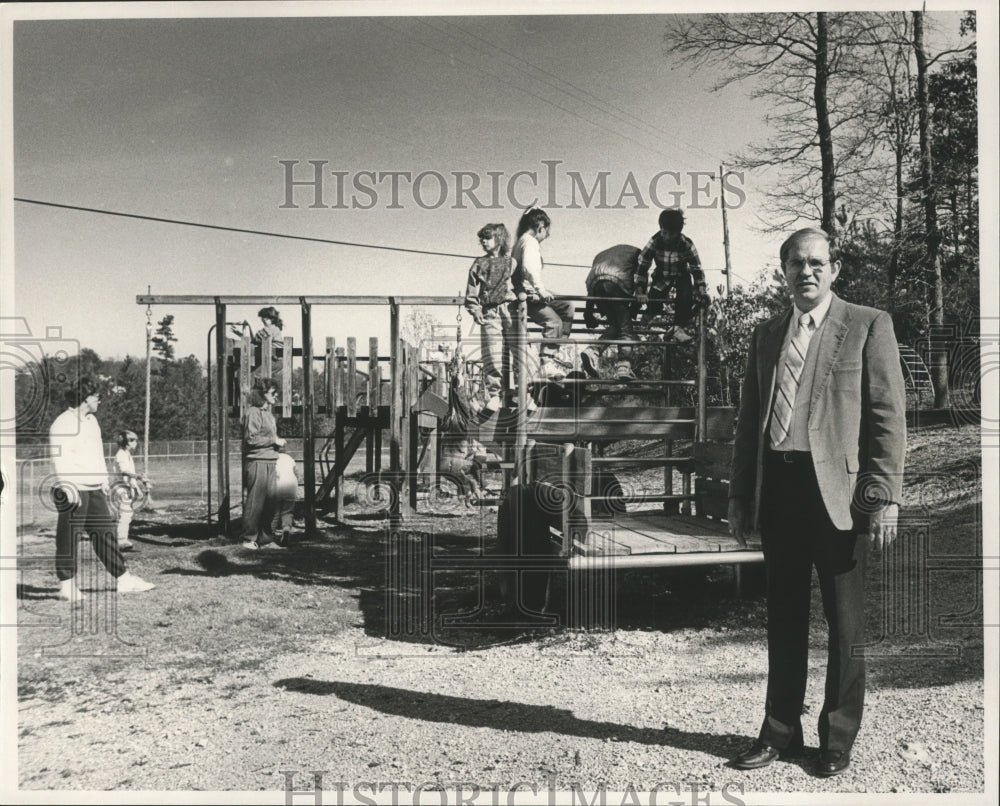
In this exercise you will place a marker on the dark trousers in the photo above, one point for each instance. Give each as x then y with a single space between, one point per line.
93 515
259 480
659 291
617 314
797 534
556 319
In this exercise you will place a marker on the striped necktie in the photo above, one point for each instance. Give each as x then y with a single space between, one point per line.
795 359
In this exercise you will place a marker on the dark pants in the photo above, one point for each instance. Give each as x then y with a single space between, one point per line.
797 534
259 481
93 515
659 291
617 314
556 319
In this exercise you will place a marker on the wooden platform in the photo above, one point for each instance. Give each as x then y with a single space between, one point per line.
650 539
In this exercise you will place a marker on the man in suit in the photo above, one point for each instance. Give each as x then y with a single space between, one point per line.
817 469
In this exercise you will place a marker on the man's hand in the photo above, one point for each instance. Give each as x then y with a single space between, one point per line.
589 318
882 526
477 317
740 525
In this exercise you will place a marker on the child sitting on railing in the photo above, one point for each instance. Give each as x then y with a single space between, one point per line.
677 266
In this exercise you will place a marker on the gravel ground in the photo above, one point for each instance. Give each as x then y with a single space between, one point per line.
241 666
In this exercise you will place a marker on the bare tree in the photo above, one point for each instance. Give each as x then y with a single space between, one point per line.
932 235
806 66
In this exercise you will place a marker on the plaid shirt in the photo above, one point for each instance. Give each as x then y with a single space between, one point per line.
673 258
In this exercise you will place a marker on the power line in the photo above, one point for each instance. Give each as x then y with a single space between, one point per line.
265 233
607 105
542 98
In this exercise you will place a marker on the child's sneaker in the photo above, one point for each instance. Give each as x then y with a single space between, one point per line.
493 404
551 370
125 545
590 361
69 592
130 583
623 371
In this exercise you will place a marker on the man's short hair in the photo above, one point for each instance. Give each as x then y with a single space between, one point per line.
672 218
809 232
84 388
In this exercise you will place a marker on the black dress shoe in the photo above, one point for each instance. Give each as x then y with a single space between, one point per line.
832 762
760 754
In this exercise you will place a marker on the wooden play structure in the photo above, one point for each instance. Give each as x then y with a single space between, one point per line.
665 421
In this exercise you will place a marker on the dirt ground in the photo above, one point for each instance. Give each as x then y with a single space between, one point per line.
243 671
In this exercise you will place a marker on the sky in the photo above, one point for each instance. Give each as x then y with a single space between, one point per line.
206 119
191 119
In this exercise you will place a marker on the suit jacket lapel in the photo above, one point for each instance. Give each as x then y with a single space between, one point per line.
770 355
830 341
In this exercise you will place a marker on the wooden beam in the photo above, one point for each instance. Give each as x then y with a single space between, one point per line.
311 299
286 378
308 444
222 414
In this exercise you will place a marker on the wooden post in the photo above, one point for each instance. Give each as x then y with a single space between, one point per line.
339 379
338 447
222 410
371 411
286 377
308 444
411 388
329 370
246 378
265 354
521 362
352 376
395 412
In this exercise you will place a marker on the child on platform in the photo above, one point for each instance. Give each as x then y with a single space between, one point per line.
555 316
677 266
611 276
488 294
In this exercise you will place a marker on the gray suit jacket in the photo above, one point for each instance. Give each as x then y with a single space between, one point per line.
857 413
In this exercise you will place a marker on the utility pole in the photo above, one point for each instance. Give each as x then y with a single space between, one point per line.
725 229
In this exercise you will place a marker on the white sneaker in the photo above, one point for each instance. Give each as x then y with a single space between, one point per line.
551 370
590 361
680 336
130 583
623 371
493 404
69 592
125 545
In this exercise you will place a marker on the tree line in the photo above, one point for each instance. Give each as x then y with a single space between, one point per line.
874 138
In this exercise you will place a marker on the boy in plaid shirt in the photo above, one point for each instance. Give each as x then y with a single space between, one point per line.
677 266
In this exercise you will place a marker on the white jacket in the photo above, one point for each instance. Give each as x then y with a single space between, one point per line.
78 450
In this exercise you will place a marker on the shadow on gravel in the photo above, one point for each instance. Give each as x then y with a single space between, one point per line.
509 716
404 598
